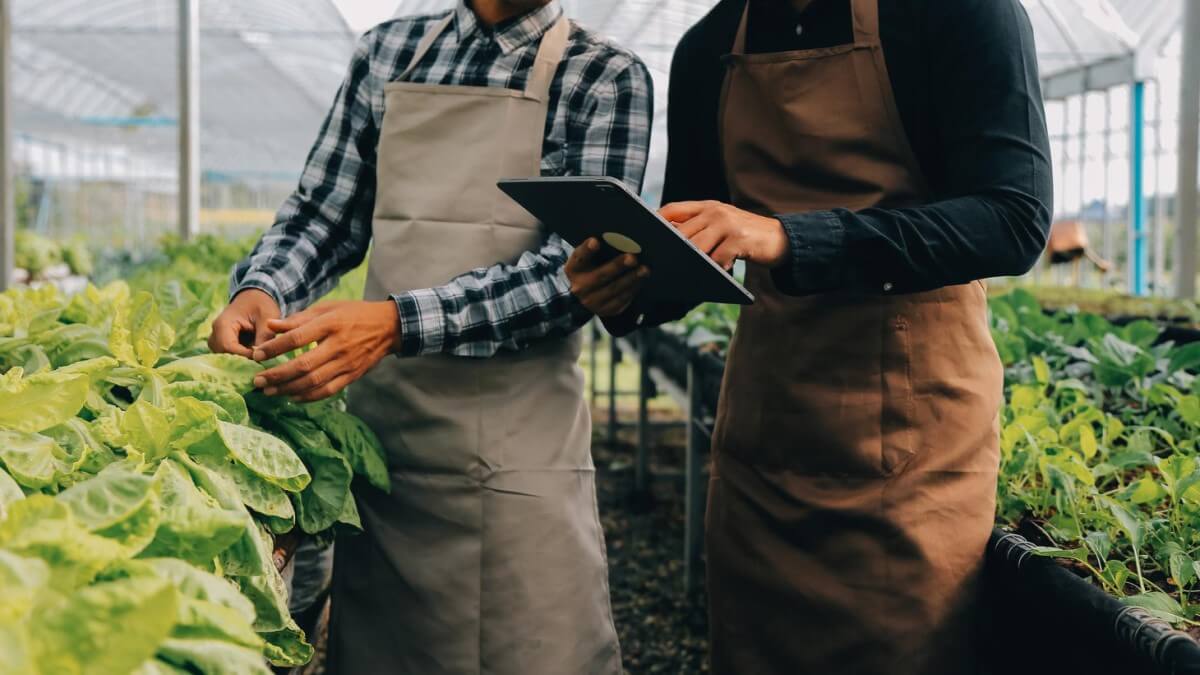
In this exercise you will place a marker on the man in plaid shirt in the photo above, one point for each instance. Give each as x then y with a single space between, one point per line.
598 125
487 555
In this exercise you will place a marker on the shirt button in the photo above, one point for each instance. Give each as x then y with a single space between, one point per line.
641 318
799 29
887 286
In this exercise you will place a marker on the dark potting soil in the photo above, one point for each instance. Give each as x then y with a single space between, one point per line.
661 630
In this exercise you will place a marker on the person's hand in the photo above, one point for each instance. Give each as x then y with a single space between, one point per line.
243 324
727 233
605 288
351 337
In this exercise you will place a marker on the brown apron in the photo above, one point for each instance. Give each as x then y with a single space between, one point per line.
487 556
856 447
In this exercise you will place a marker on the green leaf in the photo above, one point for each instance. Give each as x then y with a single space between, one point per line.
323 502
1147 491
1185 358
32 459
193 526
1129 523
147 429
287 647
231 405
83 451
1080 554
213 657
78 636
40 401
1142 333
139 335
1087 441
257 494
231 371
41 527
1041 370
265 455
1159 604
117 504
358 443
9 491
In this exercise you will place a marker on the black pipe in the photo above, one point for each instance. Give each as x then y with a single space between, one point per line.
1069 623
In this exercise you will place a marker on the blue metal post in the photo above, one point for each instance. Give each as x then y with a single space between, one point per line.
1138 261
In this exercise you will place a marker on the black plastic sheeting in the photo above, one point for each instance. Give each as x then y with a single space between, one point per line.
1045 619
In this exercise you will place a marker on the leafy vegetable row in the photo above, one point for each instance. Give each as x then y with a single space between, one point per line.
141 480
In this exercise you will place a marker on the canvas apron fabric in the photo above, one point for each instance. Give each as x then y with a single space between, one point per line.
856 447
487 556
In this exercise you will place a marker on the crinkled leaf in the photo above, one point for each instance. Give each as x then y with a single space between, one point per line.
40 401
9 491
193 527
147 429
118 504
34 460
287 647
231 406
232 371
213 657
139 335
111 627
264 455
41 527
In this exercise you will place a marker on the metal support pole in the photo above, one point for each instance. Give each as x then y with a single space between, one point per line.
641 479
1137 194
694 486
8 214
594 338
1106 221
1158 221
1083 134
1189 153
614 355
189 118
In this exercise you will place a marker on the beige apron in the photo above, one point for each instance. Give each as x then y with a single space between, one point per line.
856 449
487 556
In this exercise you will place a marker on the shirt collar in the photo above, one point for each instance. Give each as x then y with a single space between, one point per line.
512 34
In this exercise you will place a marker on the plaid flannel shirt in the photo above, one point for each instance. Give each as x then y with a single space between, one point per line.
598 124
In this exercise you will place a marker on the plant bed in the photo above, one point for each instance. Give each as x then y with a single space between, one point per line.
1044 619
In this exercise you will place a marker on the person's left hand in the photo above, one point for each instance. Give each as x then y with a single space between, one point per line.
351 337
727 233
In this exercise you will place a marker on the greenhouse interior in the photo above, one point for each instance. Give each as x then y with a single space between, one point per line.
893 365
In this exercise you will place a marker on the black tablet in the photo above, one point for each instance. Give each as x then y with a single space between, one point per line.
578 208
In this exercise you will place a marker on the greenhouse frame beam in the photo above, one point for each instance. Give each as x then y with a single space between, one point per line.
189 118
8 216
1189 153
1097 76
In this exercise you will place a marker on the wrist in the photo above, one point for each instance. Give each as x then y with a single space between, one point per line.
389 320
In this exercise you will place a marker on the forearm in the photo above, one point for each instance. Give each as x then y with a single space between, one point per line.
913 249
486 310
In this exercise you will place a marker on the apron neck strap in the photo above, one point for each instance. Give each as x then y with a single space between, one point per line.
550 54
425 43
865 15
866 20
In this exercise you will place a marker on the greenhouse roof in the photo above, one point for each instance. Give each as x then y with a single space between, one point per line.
95 73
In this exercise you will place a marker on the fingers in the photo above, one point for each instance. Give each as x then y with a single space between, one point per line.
583 257
226 332
272 379
326 390
708 239
623 289
313 379
726 254
679 212
292 340
587 283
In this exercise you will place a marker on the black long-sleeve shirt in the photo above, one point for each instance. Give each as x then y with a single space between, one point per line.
965 78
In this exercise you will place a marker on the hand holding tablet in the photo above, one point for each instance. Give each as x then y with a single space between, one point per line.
583 208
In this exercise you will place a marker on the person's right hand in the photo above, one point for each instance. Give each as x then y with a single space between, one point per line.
243 324
605 288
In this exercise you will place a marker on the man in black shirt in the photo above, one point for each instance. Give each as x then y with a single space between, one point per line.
869 160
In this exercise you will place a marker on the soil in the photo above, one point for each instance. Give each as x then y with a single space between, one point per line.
661 629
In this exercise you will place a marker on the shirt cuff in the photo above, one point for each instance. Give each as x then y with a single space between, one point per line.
262 282
816 260
422 322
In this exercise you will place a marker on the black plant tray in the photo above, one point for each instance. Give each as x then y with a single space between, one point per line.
1046 620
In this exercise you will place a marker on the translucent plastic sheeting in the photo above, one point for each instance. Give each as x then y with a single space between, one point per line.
102 73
